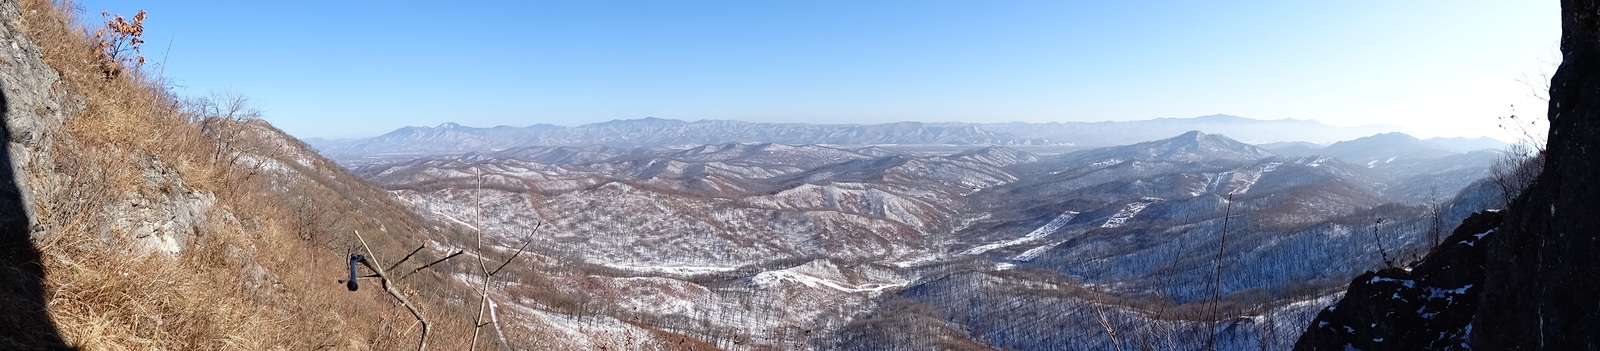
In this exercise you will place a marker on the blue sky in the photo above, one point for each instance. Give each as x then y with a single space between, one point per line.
362 68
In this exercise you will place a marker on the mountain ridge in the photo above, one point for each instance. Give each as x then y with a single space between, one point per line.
658 132
871 230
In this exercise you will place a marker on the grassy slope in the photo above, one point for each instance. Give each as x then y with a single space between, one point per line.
260 269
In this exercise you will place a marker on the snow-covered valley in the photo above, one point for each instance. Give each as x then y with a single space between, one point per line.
771 246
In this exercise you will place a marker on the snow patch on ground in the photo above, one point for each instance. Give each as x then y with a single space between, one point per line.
1248 178
1407 283
1106 163
1476 237
917 261
1127 212
1039 233
774 278
1037 251
1317 162
677 270
1270 166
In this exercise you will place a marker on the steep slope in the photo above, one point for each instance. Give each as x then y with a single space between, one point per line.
1424 306
134 221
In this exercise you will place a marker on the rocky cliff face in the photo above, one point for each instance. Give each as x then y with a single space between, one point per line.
1539 290
1537 287
127 221
1426 306
32 108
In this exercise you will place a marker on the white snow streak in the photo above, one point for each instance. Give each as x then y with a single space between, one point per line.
1476 237
1035 252
1128 212
679 270
1036 234
770 278
1408 283
494 316
1317 162
1270 166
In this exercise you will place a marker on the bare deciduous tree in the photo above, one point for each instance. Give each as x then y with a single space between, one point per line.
219 116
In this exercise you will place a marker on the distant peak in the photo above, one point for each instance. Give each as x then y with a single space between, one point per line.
1220 117
1393 136
644 121
1193 136
449 125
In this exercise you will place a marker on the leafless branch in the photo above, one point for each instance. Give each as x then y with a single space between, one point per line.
422 343
488 277
430 264
1106 323
403 260
1216 288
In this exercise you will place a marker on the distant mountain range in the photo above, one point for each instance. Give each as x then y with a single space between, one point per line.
451 138
992 245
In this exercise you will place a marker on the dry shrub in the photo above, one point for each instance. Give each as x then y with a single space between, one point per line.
260 273
262 270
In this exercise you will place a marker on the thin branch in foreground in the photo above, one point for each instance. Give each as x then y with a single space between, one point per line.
422 343
430 264
403 259
1216 287
484 304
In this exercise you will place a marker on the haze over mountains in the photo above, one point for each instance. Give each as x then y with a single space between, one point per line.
884 246
451 138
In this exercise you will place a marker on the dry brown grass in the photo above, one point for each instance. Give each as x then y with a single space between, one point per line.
261 274
262 271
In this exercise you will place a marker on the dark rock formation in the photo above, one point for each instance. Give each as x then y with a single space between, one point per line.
32 108
1426 307
1539 286
1541 291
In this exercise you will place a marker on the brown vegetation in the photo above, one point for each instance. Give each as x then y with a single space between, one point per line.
260 270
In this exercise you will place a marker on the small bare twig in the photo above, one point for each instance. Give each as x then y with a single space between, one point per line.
430 264
518 253
1106 323
422 343
408 256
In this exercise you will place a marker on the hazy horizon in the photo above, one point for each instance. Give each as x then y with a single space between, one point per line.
360 69
441 124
